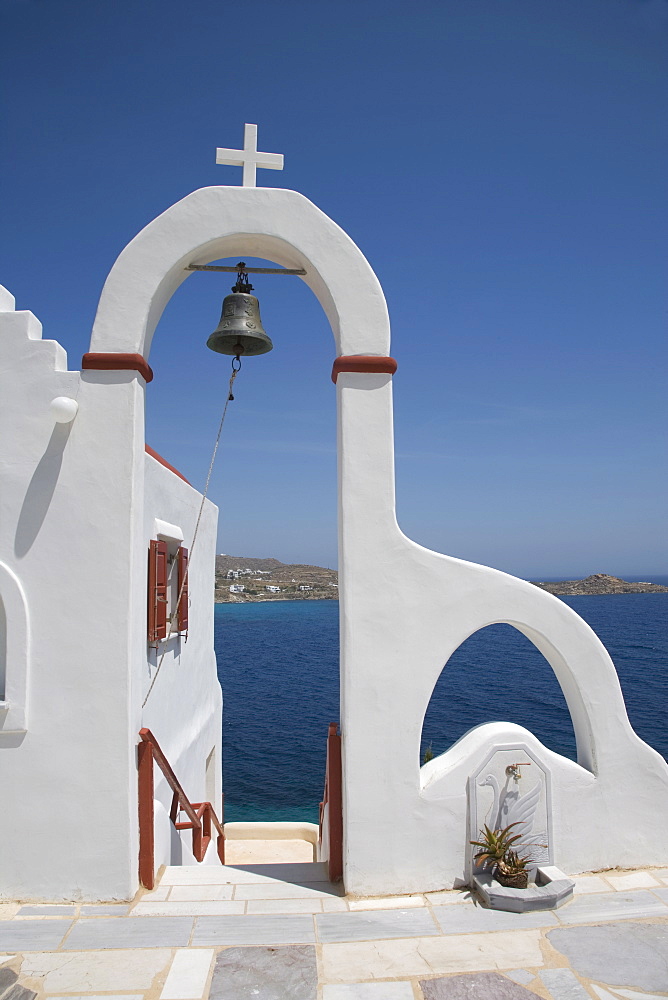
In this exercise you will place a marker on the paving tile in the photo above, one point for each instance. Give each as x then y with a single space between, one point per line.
564 985
205 907
9 910
469 919
32 935
448 896
368 991
159 893
662 894
188 974
634 880
285 890
130 932
193 893
6 958
603 994
333 905
475 986
589 883
387 903
296 871
244 874
7 978
105 910
47 911
612 906
370 924
427 956
17 992
636 995
261 929
265 974
521 976
659 872
89 972
104 996
283 905
619 954
201 875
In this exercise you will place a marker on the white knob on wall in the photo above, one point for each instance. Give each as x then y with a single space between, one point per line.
63 409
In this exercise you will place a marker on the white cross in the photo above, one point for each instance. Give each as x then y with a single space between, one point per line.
249 158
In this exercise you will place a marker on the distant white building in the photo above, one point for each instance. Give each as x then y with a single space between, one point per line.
232 574
272 589
305 586
237 588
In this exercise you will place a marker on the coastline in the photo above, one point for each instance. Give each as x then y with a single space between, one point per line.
295 582
271 600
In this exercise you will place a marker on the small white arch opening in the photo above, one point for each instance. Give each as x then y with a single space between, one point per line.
497 675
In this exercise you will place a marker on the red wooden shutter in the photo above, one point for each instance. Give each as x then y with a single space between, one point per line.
157 590
182 614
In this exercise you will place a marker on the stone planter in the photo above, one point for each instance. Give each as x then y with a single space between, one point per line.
552 889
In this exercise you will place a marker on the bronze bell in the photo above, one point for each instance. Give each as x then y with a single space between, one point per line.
240 331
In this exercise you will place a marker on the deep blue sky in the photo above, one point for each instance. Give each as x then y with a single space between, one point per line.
502 165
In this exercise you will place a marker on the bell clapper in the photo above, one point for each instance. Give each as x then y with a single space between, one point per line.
236 368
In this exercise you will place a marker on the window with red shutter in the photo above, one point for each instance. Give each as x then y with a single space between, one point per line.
182 613
157 590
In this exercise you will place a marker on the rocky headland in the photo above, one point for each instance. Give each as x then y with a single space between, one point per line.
599 583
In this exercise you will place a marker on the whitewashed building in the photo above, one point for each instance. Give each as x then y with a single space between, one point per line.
95 540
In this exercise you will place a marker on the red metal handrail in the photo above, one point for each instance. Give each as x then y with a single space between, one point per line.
331 806
200 814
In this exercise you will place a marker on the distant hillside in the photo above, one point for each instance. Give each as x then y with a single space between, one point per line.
225 563
599 583
295 581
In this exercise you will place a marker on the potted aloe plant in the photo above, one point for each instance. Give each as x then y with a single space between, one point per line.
496 852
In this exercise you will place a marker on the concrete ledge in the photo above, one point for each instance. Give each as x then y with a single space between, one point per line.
552 889
272 831
257 837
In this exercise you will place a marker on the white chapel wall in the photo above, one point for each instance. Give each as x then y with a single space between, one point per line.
74 532
184 708
67 507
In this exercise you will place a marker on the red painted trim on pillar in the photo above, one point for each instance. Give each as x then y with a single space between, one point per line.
374 363
159 458
118 363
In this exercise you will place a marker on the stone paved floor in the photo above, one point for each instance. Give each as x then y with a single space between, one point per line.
273 932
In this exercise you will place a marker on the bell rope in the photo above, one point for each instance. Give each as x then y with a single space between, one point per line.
236 368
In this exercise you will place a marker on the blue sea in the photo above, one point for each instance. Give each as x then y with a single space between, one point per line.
278 665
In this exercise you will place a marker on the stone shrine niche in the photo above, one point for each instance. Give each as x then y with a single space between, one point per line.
513 786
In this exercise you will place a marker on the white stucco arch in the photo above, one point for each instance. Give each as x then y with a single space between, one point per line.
13 710
215 222
399 835
584 738
581 688
578 658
